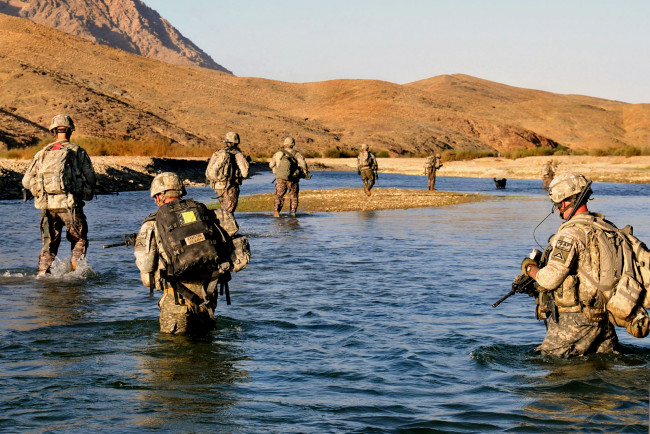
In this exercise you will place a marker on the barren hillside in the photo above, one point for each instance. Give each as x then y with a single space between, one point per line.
112 93
129 25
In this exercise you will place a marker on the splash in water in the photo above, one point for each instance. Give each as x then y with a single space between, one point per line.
62 270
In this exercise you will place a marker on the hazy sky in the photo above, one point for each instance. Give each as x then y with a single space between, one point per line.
591 47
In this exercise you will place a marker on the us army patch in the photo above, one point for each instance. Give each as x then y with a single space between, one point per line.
561 250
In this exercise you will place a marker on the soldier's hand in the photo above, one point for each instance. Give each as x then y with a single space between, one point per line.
525 263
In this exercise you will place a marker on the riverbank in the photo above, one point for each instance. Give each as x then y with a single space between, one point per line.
115 174
136 173
634 170
354 199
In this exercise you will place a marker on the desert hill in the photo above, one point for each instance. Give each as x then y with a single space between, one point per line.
112 93
129 25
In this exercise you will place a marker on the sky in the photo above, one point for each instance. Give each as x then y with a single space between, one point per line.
589 47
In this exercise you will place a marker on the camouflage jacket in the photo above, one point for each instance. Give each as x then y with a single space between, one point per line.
80 177
548 171
365 160
431 164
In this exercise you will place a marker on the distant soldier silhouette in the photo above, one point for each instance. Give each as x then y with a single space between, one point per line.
367 168
548 172
431 165
289 166
226 171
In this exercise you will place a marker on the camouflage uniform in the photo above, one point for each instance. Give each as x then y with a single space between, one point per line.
228 190
292 186
583 326
367 168
431 165
65 209
548 173
178 315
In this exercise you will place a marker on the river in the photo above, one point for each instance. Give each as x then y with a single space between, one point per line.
343 322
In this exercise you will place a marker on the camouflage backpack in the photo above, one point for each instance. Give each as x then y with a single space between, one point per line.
287 169
222 169
54 171
240 254
621 271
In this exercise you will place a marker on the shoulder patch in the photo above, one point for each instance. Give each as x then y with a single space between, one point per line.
562 250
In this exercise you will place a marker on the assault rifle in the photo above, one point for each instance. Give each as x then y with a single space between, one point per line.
523 283
129 240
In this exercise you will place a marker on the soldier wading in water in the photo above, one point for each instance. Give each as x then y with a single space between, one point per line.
185 250
289 166
568 298
226 171
367 168
61 177
431 165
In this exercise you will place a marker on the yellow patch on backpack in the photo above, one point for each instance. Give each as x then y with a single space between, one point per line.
188 217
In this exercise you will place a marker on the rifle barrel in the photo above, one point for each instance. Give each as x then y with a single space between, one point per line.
503 298
106 246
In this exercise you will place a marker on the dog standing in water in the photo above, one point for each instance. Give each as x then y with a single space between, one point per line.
500 183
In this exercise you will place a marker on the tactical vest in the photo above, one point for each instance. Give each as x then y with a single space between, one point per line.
194 244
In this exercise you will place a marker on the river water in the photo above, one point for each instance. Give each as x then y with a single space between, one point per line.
343 322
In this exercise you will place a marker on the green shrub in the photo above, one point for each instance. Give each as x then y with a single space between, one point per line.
312 154
383 154
339 153
462 154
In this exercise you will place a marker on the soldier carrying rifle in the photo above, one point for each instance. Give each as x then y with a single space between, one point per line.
568 283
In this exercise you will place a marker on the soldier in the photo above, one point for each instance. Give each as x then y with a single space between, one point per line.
567 284
226 171
431 165
367 168
289 166
548 172
61 177
183 250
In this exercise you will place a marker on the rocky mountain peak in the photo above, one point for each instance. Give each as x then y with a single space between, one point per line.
129 25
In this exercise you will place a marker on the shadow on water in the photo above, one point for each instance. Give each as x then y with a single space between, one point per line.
188 378
588 392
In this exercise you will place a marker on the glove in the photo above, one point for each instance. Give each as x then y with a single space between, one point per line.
525 263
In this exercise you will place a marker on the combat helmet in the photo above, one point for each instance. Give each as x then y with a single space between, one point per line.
61 121
568 185
232 138
289 142
364 147
168 182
